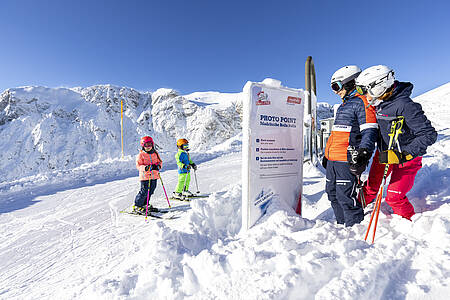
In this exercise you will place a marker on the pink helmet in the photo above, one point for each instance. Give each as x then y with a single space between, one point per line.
146 140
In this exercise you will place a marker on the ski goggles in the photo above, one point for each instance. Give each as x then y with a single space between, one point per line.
362 90
337 86
148 144
374 89
185 147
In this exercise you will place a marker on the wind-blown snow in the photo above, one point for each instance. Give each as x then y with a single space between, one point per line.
66 240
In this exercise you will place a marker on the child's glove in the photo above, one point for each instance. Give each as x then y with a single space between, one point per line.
194 166
154 168
393 157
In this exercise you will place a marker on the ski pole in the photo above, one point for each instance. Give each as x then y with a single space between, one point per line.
396 127
148 190
160 178
148 197
371 218
360 186
376 209
196 183
184 185
377 214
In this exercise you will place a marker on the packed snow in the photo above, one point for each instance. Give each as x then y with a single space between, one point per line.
63 236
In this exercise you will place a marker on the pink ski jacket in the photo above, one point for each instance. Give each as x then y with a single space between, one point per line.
144 159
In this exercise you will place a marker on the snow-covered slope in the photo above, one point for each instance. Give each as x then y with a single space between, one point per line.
436 106
72 243
45 130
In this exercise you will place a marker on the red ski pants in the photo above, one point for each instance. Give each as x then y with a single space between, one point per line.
402 181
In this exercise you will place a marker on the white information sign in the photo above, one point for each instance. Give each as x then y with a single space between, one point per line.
272 151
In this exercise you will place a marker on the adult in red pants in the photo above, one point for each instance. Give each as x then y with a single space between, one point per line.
402 181
392 102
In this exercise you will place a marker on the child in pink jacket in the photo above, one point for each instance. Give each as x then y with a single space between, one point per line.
148 163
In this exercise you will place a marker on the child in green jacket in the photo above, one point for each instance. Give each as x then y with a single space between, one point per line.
184 170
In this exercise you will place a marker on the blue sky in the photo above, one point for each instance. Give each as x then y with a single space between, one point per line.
219 45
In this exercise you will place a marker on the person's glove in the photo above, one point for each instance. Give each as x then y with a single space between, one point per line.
394 157
358 159
151 168
194 166
324 162
154 168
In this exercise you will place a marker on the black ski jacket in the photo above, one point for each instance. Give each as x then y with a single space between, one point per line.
417 132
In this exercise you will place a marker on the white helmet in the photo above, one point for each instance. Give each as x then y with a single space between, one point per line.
375 81
343 76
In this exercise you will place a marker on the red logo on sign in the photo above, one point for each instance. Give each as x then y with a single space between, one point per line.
294 100
263 99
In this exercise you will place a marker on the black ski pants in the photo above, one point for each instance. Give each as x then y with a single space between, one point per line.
141 197
341 190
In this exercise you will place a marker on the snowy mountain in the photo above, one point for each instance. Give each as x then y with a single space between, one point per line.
45 130
324 111
68 239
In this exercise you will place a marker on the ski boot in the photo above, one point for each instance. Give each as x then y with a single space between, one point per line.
152 209
141 210
179 196
187 194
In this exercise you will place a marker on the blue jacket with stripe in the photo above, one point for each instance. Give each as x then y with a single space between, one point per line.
355 124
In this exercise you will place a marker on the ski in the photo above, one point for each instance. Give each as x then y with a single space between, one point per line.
182 199
161 214
177 208
187 199
199 196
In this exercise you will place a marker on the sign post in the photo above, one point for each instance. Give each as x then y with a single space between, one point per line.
121 123
272 151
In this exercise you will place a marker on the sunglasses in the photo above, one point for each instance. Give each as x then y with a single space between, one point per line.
148 144
337 86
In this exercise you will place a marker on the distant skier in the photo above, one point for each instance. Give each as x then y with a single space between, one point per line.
354 128
391 99
185 164
148 162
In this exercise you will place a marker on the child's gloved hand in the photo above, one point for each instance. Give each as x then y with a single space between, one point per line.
154 168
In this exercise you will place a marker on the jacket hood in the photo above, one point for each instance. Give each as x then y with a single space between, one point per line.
402 89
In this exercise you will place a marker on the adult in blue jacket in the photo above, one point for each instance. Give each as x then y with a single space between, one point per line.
354 127
392 100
